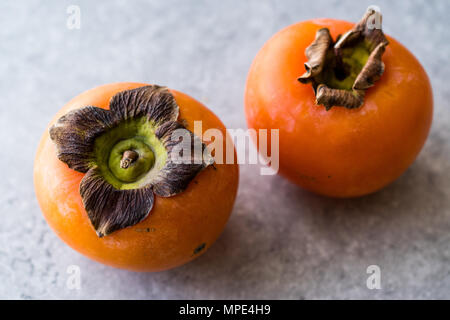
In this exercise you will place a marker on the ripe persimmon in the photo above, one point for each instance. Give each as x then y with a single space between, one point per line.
107 184
356 119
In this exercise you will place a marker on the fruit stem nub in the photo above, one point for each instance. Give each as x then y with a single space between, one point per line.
128 158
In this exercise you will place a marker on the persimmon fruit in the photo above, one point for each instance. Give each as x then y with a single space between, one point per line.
331 149
178 228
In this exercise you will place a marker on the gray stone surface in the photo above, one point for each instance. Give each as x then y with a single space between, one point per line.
281 242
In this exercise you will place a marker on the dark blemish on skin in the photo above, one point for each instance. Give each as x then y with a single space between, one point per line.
195 181
329 177
200 248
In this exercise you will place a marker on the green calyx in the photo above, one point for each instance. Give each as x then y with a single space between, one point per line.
341 72
129 169
127 154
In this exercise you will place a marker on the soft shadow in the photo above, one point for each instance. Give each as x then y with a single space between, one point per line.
278 231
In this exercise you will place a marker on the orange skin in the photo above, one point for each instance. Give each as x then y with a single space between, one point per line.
175 227
341 152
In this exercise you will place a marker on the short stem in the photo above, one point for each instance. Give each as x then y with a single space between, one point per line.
128 158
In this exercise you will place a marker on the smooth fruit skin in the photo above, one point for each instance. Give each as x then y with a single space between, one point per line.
176 226
341 152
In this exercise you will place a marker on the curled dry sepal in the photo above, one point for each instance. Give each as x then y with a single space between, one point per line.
126 153
341 72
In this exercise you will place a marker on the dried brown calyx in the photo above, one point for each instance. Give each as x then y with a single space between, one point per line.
340 72
128 153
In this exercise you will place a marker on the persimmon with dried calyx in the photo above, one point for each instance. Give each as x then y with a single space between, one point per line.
353 106
121 177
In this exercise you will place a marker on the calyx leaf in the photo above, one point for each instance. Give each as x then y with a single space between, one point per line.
110 209
136 137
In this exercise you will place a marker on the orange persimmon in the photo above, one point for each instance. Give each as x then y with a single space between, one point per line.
178 228
335 150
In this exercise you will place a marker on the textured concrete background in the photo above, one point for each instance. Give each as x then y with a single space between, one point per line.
281 242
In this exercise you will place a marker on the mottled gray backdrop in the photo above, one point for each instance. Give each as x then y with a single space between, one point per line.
281 242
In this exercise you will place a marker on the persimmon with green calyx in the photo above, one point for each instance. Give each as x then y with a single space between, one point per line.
111 185
353 106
